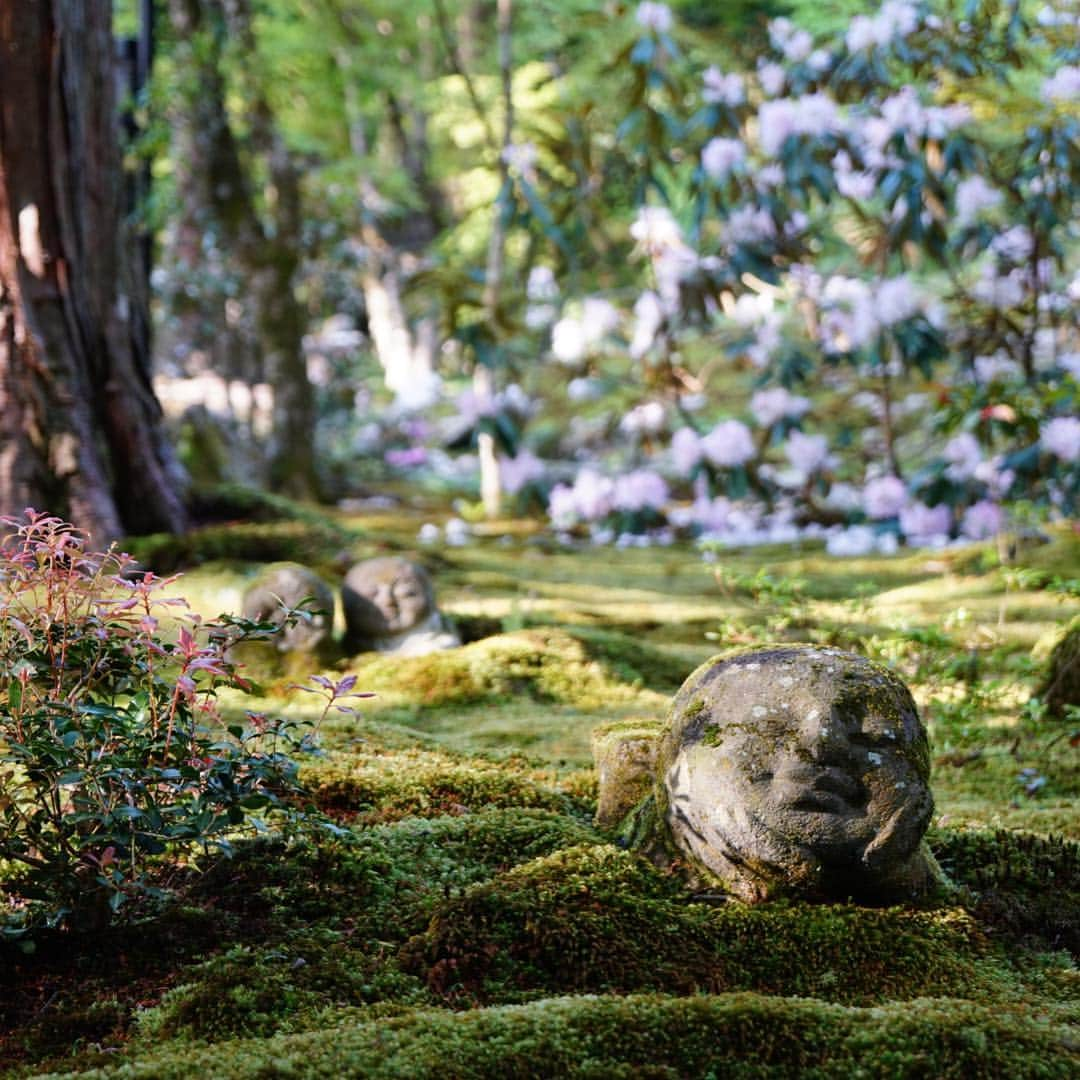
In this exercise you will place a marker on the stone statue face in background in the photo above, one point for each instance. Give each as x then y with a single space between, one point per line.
799 769
288 584
386 597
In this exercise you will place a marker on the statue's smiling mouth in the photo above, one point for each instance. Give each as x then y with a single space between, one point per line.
829 790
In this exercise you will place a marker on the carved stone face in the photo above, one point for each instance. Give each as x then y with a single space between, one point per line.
286 585
386 597
799 769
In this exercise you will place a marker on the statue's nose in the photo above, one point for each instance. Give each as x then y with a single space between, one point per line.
827 739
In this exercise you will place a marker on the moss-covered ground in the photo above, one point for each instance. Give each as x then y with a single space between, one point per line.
470 920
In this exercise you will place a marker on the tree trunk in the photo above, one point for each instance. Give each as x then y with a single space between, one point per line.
80 429
483 378
267 254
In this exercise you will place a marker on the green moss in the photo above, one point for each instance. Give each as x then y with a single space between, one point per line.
385 881
600 920
257 992
310 543
378 786
545 665
1025 885
740 1036
631 660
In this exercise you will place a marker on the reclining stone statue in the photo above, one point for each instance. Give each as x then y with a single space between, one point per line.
282 587
788 770
390 607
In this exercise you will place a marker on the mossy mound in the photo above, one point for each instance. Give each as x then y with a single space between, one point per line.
1060 687
258 992
630 660
315 544
384 881
600 920
215 503
379 786
545 665
1024 884
740 1036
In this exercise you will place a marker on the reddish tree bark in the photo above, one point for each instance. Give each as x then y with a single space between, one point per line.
80 428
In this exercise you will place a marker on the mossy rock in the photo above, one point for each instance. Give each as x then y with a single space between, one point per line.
380 786
739 1036
624 753
544 665
1060 687
599 920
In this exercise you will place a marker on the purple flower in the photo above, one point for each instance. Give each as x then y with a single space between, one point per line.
729 444
406 459
884 497
983 520
1061 437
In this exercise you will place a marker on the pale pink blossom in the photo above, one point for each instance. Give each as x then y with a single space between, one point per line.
518 472
808 454
1015 244
923 524
721 89
973 196
983 520
1061 437
1063 85
964 455
729 444
649 317
884 497
655 17
593 495
777 403
772 78
641 489
685 450
645 419
720 156
748 225
895 299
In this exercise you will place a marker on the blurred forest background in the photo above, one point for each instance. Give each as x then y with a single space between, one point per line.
748 271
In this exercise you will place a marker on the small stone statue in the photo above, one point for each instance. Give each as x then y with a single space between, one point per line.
798 770
390 607
285 585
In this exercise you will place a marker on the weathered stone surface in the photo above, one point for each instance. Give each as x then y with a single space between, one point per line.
285 585
625 757
798 770
1061 685
389 606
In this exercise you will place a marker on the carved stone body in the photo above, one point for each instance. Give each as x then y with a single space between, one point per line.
284 585
799 770
389 606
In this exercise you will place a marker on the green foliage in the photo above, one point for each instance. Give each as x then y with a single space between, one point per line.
109 754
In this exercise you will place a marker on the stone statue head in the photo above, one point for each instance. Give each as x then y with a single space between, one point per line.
797 769
385 597
287 585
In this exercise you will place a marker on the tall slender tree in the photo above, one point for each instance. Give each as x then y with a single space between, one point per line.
80 428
